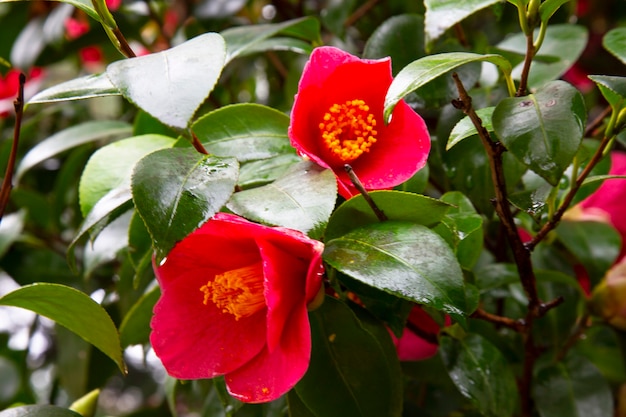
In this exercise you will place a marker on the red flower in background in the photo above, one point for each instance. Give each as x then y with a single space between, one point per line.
411 346
337 119
10 84
234 302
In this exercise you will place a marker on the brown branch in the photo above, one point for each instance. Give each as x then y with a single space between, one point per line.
359 186
126 49
7 182
530 54
198 145
481 314
556 218
359 13
597 122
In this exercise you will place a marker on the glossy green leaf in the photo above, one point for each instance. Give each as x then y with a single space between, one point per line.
135 328
615 42
172 84
336 383
426 69
561 48
301 199
481 373
543 130
111 166
176 190
261 172
549 7
69 138
465 128
596 245
396 205
296 406
244 131
110 240
280 43
38 411
399 37
612 88
89 86
243 40
443 14
72 309
572 387
405 259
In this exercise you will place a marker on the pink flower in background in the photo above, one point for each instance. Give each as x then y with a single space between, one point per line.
234 302
412 347
10 84
337 119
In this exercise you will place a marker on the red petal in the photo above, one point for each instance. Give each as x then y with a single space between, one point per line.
270 375
194 340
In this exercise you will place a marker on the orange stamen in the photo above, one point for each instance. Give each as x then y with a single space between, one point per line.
238 291
348 130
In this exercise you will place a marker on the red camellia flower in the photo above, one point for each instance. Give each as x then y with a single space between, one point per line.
234 298
337 119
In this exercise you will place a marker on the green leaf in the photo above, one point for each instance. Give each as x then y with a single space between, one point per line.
38 411
89 86
75 311
399 37
543 130
396 205
244 40
405 259
301 199
465 128
615 42
110 167
177 190
69 138
426 69
572 387
612 88
110 240
336 383
443 14
549 7
10 229
481 373
261 172
244 131
172 84
596 245
135 328
563 44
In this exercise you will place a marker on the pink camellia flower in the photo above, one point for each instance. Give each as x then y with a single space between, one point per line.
411 346
337 119
234 302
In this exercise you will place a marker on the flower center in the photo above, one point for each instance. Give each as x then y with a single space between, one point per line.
348 130
238 291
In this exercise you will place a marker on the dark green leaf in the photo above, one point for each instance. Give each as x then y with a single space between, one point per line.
301 199
481 373
135 328
615 42
110 167
74 310
465 128
405 259
89 86
172 84
543 130
573 387
596 245
443 14
110 240
396 205
612 88
261 172
337 384
38 411
69 138
426 69
177 190
549 7
244 131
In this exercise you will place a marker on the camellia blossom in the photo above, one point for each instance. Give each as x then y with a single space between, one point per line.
234 297
337 119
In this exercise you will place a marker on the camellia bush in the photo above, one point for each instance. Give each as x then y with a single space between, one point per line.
313 208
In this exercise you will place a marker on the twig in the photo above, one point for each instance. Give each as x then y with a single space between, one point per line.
530 54
197 144
481 314
7 182
359 186
582 325
360 12
597 122
125 47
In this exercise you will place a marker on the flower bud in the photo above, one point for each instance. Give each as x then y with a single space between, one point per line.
608 299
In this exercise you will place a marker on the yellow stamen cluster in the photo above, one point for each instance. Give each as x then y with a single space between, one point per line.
348 130
238 291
